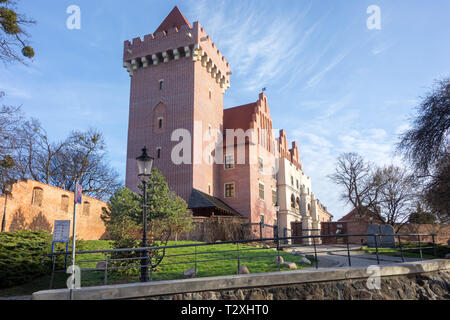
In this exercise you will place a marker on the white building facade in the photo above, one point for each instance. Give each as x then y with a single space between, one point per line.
296 200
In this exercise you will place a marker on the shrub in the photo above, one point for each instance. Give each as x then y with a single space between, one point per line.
23 256
167 215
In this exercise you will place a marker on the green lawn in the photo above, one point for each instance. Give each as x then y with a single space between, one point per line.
410 251
257 260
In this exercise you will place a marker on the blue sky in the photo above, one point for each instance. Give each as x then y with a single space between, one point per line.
332 83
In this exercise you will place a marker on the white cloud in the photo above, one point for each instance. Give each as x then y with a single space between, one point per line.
381 48
333 130
257 49
317 78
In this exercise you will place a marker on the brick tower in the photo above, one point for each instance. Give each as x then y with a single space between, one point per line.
178 79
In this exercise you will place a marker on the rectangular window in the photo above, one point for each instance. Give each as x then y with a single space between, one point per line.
229 161
261 191
298 185
86 208
65 203
161 84
160 123
229 190
261 165
38 195
274 197
158 153
262 219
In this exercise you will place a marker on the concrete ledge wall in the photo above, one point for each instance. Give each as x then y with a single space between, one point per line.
156 290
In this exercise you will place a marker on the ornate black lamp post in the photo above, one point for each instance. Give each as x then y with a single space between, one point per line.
145 164
277 227
7 188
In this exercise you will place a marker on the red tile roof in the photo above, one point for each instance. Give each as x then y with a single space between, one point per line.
174 19
350 216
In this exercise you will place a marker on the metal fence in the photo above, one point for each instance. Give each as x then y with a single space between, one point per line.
277 231
243 250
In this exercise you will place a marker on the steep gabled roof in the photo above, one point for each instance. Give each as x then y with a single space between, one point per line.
200 199
174 19
350 216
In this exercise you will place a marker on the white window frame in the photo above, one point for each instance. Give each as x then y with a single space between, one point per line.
260 164
226 163
264 190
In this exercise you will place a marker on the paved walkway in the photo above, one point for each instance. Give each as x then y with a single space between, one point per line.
337 256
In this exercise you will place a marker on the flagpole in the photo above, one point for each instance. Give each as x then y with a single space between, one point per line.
75 195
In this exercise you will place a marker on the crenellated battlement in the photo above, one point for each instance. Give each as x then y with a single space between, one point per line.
174 44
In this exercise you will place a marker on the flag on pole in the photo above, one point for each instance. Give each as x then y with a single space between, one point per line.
78 192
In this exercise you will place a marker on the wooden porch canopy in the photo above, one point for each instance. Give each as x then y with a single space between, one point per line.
204 205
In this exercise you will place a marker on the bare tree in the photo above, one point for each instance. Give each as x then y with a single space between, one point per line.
428 139
83 159
397 194
387 192
27 152
437 191
36 154
360 188
10 120
13 37
426 145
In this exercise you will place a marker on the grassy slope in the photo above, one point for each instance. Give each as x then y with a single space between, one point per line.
257 261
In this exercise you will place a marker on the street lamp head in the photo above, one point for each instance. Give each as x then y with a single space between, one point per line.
277 206
144 163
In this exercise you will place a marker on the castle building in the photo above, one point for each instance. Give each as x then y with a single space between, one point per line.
222 162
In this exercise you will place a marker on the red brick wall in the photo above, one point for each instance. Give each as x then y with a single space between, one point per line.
178 97
442 232
22 214
359 226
